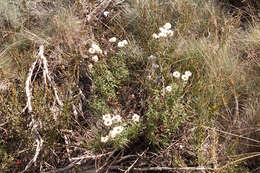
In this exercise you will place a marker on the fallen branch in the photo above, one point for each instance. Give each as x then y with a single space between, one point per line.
128 169
164 169
28 107
41 59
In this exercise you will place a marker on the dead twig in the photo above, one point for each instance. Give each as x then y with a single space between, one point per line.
134 162
164 168
232 134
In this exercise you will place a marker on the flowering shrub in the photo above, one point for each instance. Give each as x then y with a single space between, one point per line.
115 126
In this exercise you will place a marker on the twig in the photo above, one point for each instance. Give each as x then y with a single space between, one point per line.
164 168
39 140
88 156
98 10
134 163
125 157
236 116
240 160
46 74
71 165
110 155
232 134
28 89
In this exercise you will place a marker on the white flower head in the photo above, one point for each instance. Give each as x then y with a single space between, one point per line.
97 48
163 30
167 26
136 118
112 40
185 77
106 13
92 50
125 42
170 33
117 118
108 122
152 58
121 44
104 139
95 58
155 36
188 73
176 74
90 66
106 116
112 134
162 34
168 89
116 130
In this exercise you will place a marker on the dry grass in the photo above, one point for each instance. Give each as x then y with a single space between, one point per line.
54 93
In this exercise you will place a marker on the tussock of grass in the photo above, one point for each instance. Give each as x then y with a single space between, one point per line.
208 121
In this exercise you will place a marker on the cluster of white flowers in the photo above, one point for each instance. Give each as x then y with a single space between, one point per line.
115 131
95 58
120 44
165 31
109 120
95 49
184 77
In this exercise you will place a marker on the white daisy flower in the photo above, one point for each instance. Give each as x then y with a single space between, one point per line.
125 42
136 118
120 44
95 58
112 134
118 129
162 34
92 50
185 77
163 30
176 74
155 36
168 89
112 40
188 73
170 33
90 66
97 48
104 139
108 122
117 118
167 26
106 13
106 116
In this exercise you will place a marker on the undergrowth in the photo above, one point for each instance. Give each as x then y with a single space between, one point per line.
177 89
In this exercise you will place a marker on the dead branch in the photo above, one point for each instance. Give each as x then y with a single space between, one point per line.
164 169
